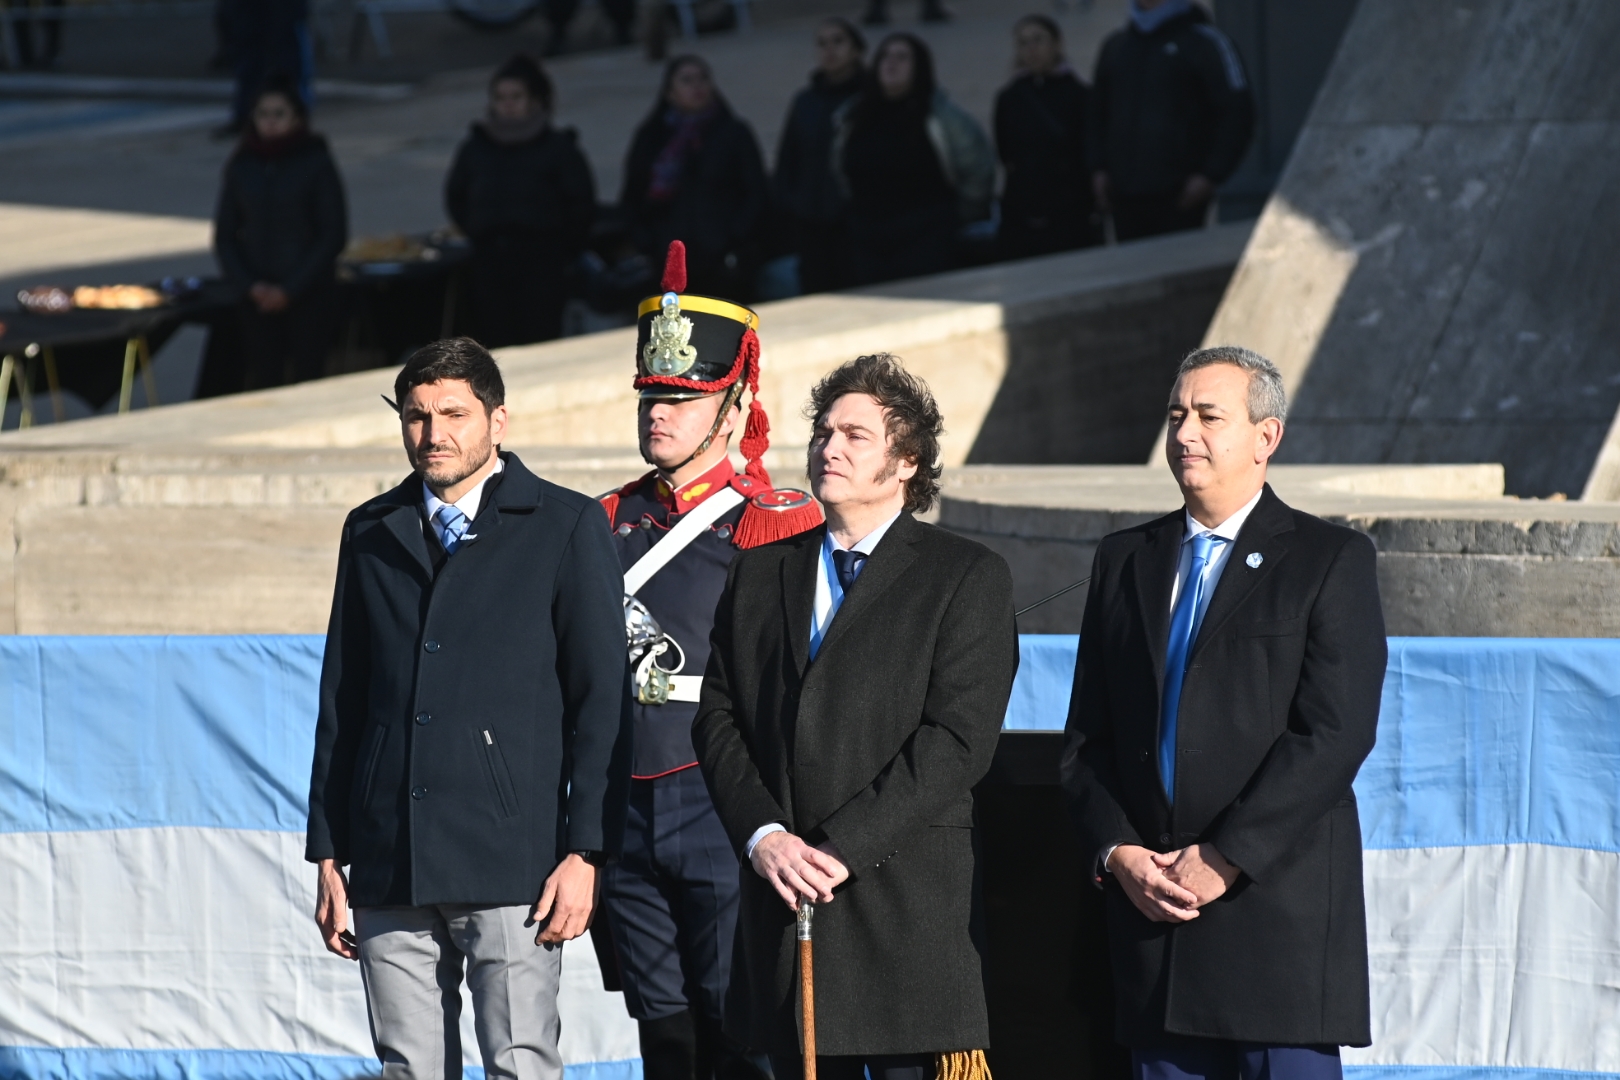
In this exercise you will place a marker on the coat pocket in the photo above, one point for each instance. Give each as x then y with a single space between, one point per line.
496 772
373 758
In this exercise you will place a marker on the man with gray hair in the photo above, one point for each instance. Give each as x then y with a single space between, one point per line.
1231 661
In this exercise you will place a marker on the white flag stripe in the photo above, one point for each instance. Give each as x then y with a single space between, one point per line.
1495 956
197 938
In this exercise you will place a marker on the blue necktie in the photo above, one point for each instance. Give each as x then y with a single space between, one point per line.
1183 631
455 526
848 566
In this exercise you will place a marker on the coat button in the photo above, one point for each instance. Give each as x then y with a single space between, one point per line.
1143 756
418 792
430 646
1164 837
422 717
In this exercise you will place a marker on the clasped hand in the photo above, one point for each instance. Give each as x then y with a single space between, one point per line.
795 869
1171 886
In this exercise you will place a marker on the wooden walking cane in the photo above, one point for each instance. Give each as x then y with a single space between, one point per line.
807 988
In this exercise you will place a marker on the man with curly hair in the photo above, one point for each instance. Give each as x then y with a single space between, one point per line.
855 690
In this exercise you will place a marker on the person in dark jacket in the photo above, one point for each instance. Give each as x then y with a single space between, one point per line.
522 192
279 227
1041 139
804 189
694 173
914 166
472 745
1171 116
1226 692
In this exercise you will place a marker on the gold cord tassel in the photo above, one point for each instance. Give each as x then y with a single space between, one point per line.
961 1065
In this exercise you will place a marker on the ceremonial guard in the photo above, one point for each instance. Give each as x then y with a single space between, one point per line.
672 898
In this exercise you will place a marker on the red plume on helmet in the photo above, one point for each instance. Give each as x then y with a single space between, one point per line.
675 268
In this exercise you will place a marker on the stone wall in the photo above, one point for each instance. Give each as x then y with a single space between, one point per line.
1434 273
223 515
1455 558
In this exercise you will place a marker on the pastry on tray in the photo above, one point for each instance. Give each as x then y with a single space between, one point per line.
116 297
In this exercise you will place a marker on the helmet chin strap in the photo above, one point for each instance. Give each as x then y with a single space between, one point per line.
727 403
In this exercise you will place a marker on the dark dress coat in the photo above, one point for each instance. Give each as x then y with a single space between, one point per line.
1279 708
875 745
473 725
718 209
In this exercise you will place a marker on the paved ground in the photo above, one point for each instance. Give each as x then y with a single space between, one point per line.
117 156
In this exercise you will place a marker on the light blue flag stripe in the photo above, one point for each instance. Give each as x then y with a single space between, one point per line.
1481 740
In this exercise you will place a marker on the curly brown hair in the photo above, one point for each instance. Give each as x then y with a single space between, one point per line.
911 417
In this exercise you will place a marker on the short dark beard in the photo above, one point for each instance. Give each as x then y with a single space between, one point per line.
487 449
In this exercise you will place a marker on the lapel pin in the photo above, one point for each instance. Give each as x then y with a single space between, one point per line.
1254 560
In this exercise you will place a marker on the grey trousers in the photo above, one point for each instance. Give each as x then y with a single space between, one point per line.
412 958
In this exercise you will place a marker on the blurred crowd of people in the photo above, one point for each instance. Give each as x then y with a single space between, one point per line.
878 176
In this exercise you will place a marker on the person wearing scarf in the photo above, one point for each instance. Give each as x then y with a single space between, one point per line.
522 192
1041 137
1171 116
694 173
280 224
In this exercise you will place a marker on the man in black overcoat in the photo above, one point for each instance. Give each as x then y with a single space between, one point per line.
1231 661
857 681
472 750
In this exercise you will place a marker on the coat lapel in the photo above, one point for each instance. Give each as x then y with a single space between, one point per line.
1155 572
1264 533
517 491
799 593
404 521
883 568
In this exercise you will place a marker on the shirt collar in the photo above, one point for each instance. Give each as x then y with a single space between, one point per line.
1226 530
695 491
866 544
469 503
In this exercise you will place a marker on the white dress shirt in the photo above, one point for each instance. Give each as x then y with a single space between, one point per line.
468 504
829 598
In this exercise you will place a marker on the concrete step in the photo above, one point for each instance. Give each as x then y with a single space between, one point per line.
1455 558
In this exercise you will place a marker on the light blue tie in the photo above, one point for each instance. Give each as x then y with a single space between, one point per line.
455 526
1183 631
